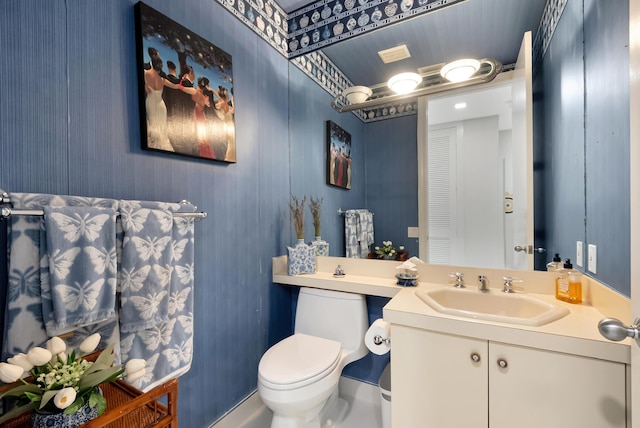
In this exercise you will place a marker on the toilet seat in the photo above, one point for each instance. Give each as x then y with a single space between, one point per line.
297 361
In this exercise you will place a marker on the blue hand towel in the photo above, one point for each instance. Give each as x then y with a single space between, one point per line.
168 346
358 230
146 266
364 230
352 249
81 249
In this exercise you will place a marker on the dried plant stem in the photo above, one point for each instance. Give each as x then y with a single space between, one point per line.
297 212
315 205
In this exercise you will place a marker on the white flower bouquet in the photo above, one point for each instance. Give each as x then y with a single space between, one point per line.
388 251
60 382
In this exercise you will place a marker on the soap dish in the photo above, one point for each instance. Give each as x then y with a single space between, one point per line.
407 280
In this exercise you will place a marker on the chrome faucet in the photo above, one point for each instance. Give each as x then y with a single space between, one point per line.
508 284
459 279
482 283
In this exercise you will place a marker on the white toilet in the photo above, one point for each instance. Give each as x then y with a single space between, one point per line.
298 376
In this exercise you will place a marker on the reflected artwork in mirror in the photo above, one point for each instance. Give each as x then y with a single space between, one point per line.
338 156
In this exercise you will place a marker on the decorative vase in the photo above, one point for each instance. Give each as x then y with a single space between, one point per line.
302 258
61 420
322 247
387 257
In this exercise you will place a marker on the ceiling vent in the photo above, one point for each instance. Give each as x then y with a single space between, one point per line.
394 54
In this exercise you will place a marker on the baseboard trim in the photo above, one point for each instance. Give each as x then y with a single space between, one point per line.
244 410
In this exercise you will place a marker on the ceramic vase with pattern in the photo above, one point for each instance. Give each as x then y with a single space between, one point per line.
322 247
302 258
61 420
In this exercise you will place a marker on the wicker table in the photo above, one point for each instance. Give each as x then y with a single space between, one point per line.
128 407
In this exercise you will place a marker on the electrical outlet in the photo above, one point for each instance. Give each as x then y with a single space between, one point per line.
579 254
592 258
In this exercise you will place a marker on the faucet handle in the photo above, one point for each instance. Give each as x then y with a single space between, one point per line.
508 284
459 279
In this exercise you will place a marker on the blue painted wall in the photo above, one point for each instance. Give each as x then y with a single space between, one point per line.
70 125
392 180
607 140
559 139
581 139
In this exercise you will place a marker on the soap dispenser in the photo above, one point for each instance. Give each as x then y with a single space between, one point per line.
569 284
555 264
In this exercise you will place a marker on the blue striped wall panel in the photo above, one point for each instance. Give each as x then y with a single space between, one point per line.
607 165
392 180
559 138
584 58
94 149
310 108
33 100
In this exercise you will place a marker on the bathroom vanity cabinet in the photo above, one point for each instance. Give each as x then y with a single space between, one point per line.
445 380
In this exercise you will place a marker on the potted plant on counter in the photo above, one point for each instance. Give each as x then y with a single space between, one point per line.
302 257
321 247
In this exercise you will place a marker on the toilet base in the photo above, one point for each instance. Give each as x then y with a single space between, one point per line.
332 414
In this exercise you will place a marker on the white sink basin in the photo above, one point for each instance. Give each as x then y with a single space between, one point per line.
514 308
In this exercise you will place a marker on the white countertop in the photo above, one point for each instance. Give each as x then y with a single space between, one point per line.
576 333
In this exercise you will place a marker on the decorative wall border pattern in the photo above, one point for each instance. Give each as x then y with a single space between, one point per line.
265 17
548 23
330 21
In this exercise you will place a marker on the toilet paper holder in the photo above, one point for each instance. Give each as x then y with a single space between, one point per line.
379 340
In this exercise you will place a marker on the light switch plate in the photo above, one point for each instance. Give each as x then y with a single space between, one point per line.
592 258
579 254
413 232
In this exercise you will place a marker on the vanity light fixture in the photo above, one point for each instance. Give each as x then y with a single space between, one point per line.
404 83
460 70
357 94
409 86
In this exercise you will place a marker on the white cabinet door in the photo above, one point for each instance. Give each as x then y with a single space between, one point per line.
548 389
435 381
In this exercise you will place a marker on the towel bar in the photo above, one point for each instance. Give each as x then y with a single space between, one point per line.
6 212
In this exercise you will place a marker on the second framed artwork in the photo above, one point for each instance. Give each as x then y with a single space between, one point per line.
338 156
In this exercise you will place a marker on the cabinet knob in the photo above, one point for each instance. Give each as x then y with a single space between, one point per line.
475 357
502 363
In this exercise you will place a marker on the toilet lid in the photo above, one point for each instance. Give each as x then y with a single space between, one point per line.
299 358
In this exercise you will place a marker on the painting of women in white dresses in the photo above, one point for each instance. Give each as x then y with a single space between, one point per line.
186 90
338 156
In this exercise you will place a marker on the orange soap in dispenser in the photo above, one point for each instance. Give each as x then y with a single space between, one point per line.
569 284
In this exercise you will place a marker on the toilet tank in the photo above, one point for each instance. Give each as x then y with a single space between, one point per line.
333 315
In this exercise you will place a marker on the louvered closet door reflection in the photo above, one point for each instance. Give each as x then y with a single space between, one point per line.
442 206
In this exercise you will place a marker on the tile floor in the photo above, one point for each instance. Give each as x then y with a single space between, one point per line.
364 411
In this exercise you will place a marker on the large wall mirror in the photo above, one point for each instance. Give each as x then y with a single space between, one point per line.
580 115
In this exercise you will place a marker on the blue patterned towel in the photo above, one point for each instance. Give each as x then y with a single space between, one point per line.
81 245
364 231
358 233
29 320
146 266
168 346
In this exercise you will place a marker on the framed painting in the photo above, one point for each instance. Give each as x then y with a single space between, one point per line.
186 90
338 156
